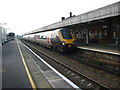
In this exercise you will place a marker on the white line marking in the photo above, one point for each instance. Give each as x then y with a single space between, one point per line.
67 80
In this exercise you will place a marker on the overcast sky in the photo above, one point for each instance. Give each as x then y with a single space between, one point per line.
23 16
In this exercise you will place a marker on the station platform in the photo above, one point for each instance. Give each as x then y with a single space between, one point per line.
22 69
13 72
104 48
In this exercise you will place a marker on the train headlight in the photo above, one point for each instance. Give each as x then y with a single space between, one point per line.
63 43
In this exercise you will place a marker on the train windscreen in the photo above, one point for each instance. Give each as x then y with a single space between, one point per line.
66 33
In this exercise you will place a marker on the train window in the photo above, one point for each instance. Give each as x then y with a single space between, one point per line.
41 37
66 34
57 37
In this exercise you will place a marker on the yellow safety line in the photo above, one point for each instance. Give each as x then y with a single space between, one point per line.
26 68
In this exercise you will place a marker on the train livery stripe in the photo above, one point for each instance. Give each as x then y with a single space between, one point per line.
26 68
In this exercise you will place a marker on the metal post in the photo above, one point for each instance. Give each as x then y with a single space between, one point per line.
117 35
87 37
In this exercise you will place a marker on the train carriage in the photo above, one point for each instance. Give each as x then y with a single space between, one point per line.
62 39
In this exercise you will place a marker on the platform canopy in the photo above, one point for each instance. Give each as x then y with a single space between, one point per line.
101 13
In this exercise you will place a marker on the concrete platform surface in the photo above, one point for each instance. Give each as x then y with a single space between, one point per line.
13 71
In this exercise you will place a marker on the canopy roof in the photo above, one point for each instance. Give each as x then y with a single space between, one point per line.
101 13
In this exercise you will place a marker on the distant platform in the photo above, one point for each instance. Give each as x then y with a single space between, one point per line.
103 48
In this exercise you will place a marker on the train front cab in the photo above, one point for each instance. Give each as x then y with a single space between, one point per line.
67 40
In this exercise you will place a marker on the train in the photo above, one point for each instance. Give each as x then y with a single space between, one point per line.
61 39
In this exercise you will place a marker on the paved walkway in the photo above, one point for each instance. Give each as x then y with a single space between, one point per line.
13 71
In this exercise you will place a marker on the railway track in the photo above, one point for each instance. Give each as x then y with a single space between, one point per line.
112 69
81 80
98 65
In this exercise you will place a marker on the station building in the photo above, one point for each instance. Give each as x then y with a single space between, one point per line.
104 30
98 26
